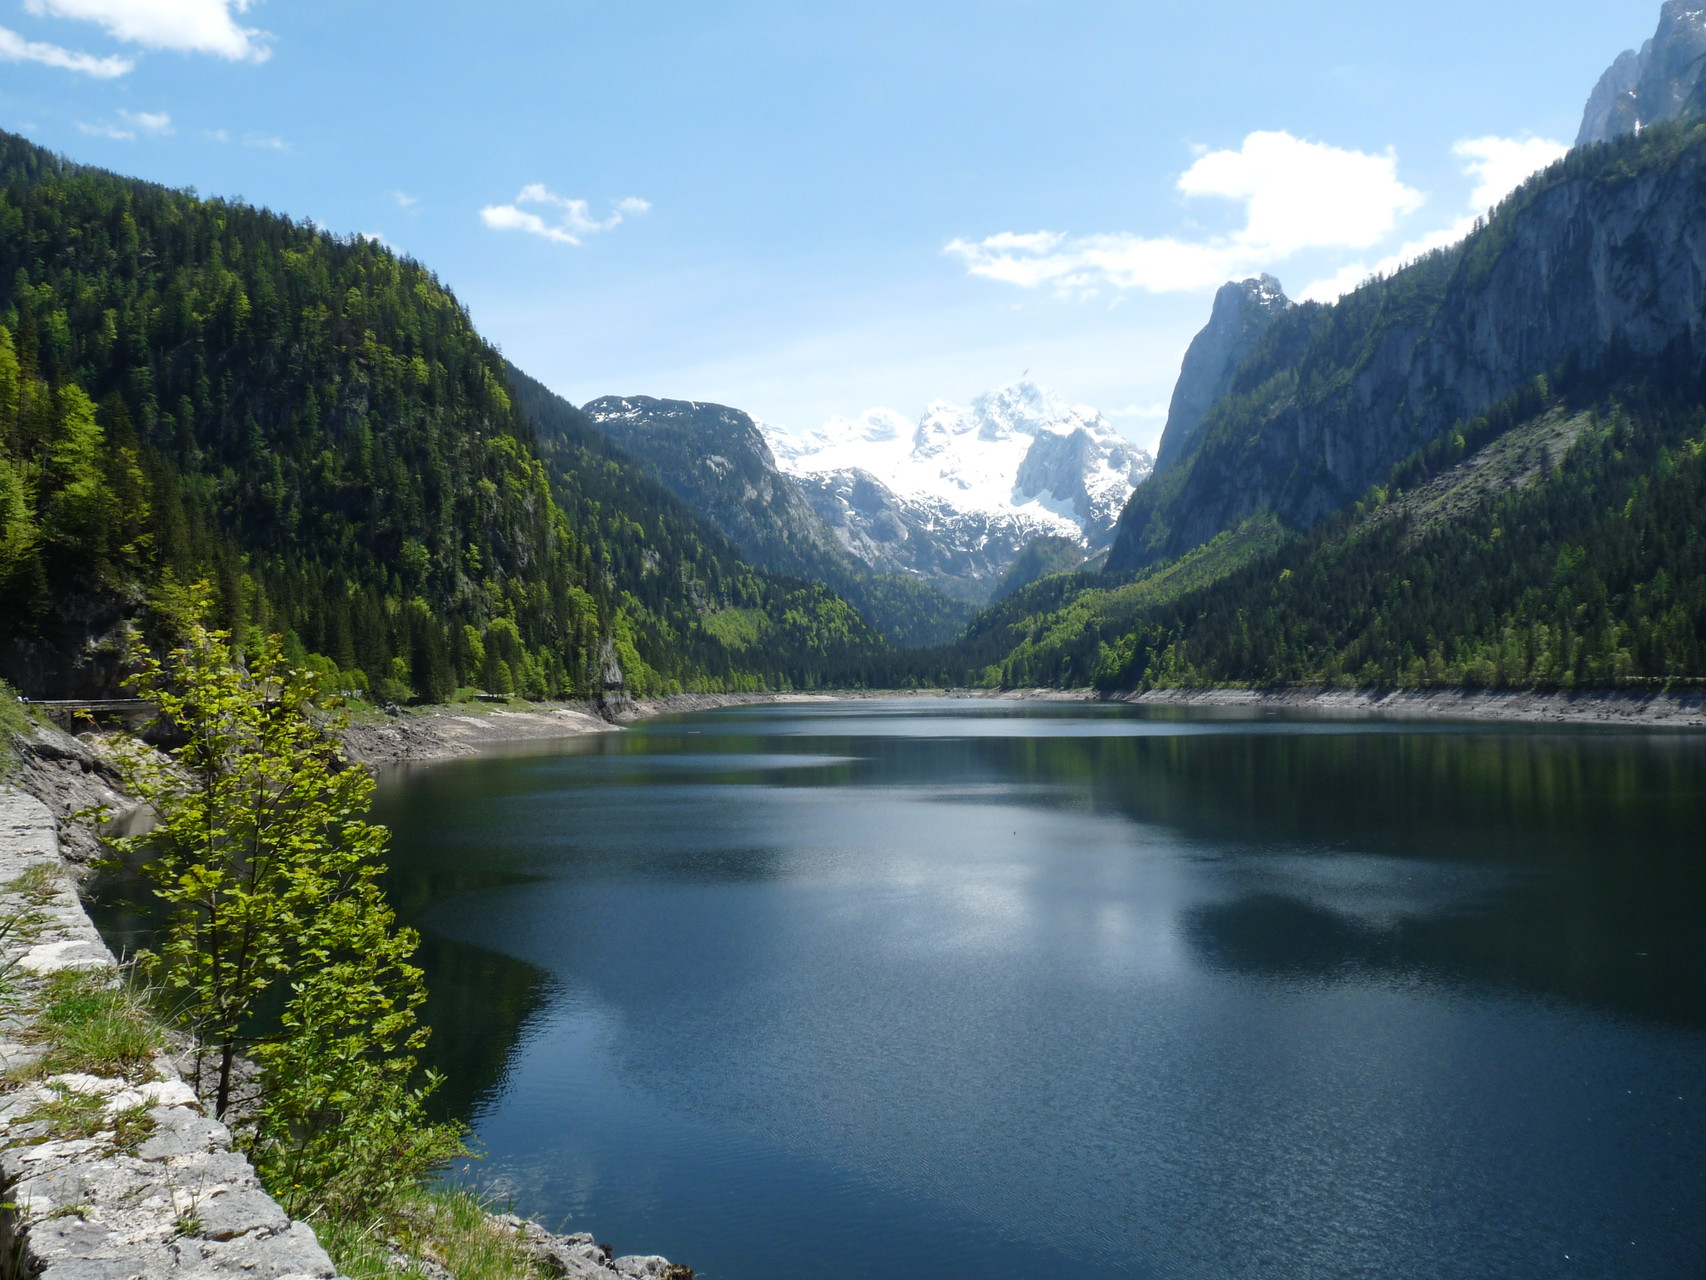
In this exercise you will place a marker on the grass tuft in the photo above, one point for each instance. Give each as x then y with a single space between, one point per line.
95 1027
37 886
443 1226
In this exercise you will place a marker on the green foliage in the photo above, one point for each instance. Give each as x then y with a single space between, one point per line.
1591 576
70 1116
1042 557
200 389
270 871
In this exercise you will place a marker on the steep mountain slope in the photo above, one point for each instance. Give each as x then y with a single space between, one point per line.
1596 266
1242 314
192 388
1566 554
958 496
1665 81
716 460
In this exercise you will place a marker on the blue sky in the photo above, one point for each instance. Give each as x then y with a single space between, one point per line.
811 209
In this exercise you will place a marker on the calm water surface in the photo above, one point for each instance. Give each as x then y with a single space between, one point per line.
949 989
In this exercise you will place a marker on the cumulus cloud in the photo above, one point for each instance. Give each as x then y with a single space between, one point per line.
187 26
1296 195
1498 167
1501 165
565 221
14 48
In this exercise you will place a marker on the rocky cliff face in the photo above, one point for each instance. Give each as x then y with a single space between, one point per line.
1602 260
1665 81
716 460
1242 314
961 553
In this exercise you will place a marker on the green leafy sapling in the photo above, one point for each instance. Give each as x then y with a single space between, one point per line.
279 944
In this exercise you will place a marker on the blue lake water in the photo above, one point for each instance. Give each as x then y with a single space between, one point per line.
944 989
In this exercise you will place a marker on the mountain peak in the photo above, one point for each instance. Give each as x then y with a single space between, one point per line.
1017 453
1665 81
1243 310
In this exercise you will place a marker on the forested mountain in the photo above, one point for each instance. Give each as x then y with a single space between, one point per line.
1596 264
193 388
1488 469
715 459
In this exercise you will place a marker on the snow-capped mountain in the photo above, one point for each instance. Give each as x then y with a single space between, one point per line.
959 494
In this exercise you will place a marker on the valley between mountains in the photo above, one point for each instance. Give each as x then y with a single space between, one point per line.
1484 470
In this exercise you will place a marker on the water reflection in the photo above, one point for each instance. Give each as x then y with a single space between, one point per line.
958 989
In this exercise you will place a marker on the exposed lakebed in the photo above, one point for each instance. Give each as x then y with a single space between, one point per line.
944 989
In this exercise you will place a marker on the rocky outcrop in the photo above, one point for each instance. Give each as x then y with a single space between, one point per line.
1599 265
1665 81
1242 314
963 553
579 1257
148 1186
716 460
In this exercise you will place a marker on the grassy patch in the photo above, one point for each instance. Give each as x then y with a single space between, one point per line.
70 1115
438 1225
91 1026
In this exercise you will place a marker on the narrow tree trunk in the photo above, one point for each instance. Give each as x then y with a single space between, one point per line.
227 1057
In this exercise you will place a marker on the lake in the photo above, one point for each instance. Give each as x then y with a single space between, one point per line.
1002 989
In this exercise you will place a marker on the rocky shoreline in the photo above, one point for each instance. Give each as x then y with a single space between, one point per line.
447 733
1610 708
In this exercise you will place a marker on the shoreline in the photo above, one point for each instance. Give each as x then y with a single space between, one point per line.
1599 707
448 733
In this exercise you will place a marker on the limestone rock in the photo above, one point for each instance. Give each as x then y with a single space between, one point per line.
1665 81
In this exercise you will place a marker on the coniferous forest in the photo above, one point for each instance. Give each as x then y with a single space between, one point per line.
198 389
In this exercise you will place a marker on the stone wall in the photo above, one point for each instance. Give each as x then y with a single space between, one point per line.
156 1190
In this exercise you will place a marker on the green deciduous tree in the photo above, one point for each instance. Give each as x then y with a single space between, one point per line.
279 943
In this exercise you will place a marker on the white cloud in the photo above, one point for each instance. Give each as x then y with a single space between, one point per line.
1296 195
1498 165
266 142
1501 165
569 221
132 123
218 135
14 48
154 122
188 26
1305 195
105 130
404 200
